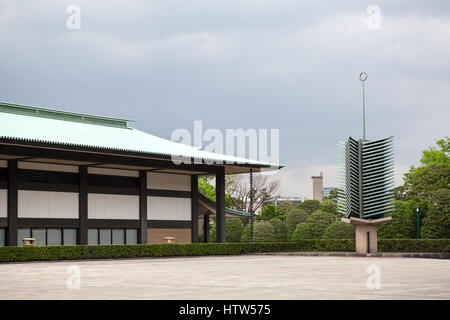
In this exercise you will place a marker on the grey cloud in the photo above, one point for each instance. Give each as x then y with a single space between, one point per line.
291 65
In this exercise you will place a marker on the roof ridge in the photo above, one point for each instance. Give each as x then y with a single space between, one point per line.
32 111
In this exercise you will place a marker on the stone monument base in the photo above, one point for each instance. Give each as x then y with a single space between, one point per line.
366 233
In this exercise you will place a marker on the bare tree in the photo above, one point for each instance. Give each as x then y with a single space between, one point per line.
238 188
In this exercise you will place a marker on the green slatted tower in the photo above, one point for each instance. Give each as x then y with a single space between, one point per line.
366 178
366 181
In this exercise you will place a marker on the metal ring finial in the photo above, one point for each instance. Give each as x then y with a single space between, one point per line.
363 76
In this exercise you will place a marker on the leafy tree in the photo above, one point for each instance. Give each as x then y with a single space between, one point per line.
339 230
428 187
420 182
400 193
284 206
293 218
209 191
233 229
402 225
268 212
332 195
279 229
436 224
330 205
302 231
434 173
320 220
309 206
206 189
262 231
437 155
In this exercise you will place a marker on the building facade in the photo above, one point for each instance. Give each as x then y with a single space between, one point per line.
317 184
68 178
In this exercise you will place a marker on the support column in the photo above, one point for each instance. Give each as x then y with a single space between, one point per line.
83 206
11 238
366 233
194 208
206 228
220 205
142 207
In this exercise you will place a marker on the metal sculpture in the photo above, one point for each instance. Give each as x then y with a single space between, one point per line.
365 175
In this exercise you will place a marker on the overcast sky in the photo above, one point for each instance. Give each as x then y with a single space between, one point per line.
288 65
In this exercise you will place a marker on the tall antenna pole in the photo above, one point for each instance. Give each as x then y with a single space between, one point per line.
363 78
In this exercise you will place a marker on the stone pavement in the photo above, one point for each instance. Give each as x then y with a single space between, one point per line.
229 277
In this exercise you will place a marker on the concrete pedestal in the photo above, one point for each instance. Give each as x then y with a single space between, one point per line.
366 233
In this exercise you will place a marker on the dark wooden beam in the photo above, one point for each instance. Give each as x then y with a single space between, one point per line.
47 223
206 228
113 223
11 238
194 208
83 206
169 224
142 207
220 205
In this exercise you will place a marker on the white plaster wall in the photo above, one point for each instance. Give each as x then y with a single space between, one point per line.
167 181
3 203
46 166
47 204
113 172
168 208
113 206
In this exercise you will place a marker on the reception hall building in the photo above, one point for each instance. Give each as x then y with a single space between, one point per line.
69 178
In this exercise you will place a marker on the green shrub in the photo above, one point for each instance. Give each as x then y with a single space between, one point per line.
320 220
212 233
402 225
339 230
436 223
414 245
279 229
302 231
309 206
233 229
329 205
262 231
268 212
20 254
293 218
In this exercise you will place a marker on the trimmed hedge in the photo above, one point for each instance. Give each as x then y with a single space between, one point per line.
414 245
20 254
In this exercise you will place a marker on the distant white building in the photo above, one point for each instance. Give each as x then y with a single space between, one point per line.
295 200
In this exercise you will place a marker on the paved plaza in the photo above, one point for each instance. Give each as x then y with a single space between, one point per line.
229 277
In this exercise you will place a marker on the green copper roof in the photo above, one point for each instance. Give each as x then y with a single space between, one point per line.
227 210
62 115
33 124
